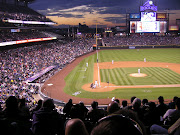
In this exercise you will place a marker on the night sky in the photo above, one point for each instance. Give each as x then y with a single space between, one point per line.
104 12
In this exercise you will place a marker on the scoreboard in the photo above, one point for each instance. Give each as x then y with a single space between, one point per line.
149 22
148 16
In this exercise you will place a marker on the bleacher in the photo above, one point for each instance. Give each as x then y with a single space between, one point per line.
8 11
142 40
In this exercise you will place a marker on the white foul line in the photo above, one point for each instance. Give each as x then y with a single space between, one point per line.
98 70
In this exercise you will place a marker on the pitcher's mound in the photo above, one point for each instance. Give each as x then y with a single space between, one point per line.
138 75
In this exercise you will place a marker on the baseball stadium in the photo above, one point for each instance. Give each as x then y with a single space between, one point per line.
88 81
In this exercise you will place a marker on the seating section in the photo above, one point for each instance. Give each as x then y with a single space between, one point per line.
142 40
19 116
8 11
17 65
15 36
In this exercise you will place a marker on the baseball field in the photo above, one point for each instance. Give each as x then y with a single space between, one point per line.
128 75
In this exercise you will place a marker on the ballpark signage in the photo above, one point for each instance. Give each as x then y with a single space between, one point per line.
143 8
161 16
148 5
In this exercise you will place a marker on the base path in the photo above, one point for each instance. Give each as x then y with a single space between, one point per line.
56 90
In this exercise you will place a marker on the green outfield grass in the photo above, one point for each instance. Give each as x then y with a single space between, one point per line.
82 75
154 55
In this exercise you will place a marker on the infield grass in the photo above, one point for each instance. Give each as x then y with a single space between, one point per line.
155 76
82 75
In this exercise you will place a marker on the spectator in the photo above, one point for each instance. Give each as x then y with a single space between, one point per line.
46 121
173 129
117 100
39 105
172 115
75 112
124 104
14 122
162 108
83 110
117 124
24 110
94 114
11 111
132 98
144 106
144 101
112 107
67 107
75 127
137 108
132 115
151 116
172 104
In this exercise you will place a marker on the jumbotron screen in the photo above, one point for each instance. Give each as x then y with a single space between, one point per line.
140 27
148 16
148 26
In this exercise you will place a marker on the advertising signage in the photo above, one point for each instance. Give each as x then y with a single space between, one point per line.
134 16
161 16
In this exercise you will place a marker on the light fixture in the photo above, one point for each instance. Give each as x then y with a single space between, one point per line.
150 2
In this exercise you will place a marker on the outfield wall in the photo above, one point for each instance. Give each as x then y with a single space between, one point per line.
138 46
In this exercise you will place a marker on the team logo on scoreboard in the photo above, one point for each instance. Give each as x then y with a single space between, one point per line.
148 5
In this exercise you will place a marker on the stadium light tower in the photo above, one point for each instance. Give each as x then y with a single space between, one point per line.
96 35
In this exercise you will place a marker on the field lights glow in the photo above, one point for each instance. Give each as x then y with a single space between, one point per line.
150 2
28 22
26 41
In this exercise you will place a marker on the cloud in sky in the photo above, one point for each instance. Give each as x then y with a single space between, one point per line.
115 20
107 12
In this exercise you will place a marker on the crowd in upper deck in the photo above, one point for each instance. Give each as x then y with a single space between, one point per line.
142 40
108 41
15 36
14 12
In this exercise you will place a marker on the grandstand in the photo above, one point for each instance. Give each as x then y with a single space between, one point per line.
35 65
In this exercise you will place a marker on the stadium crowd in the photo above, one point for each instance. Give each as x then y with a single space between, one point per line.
108 41
9 11
142 40
140 117
21 114
15 36
17 65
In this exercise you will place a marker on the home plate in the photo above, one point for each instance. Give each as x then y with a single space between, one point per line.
50 84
